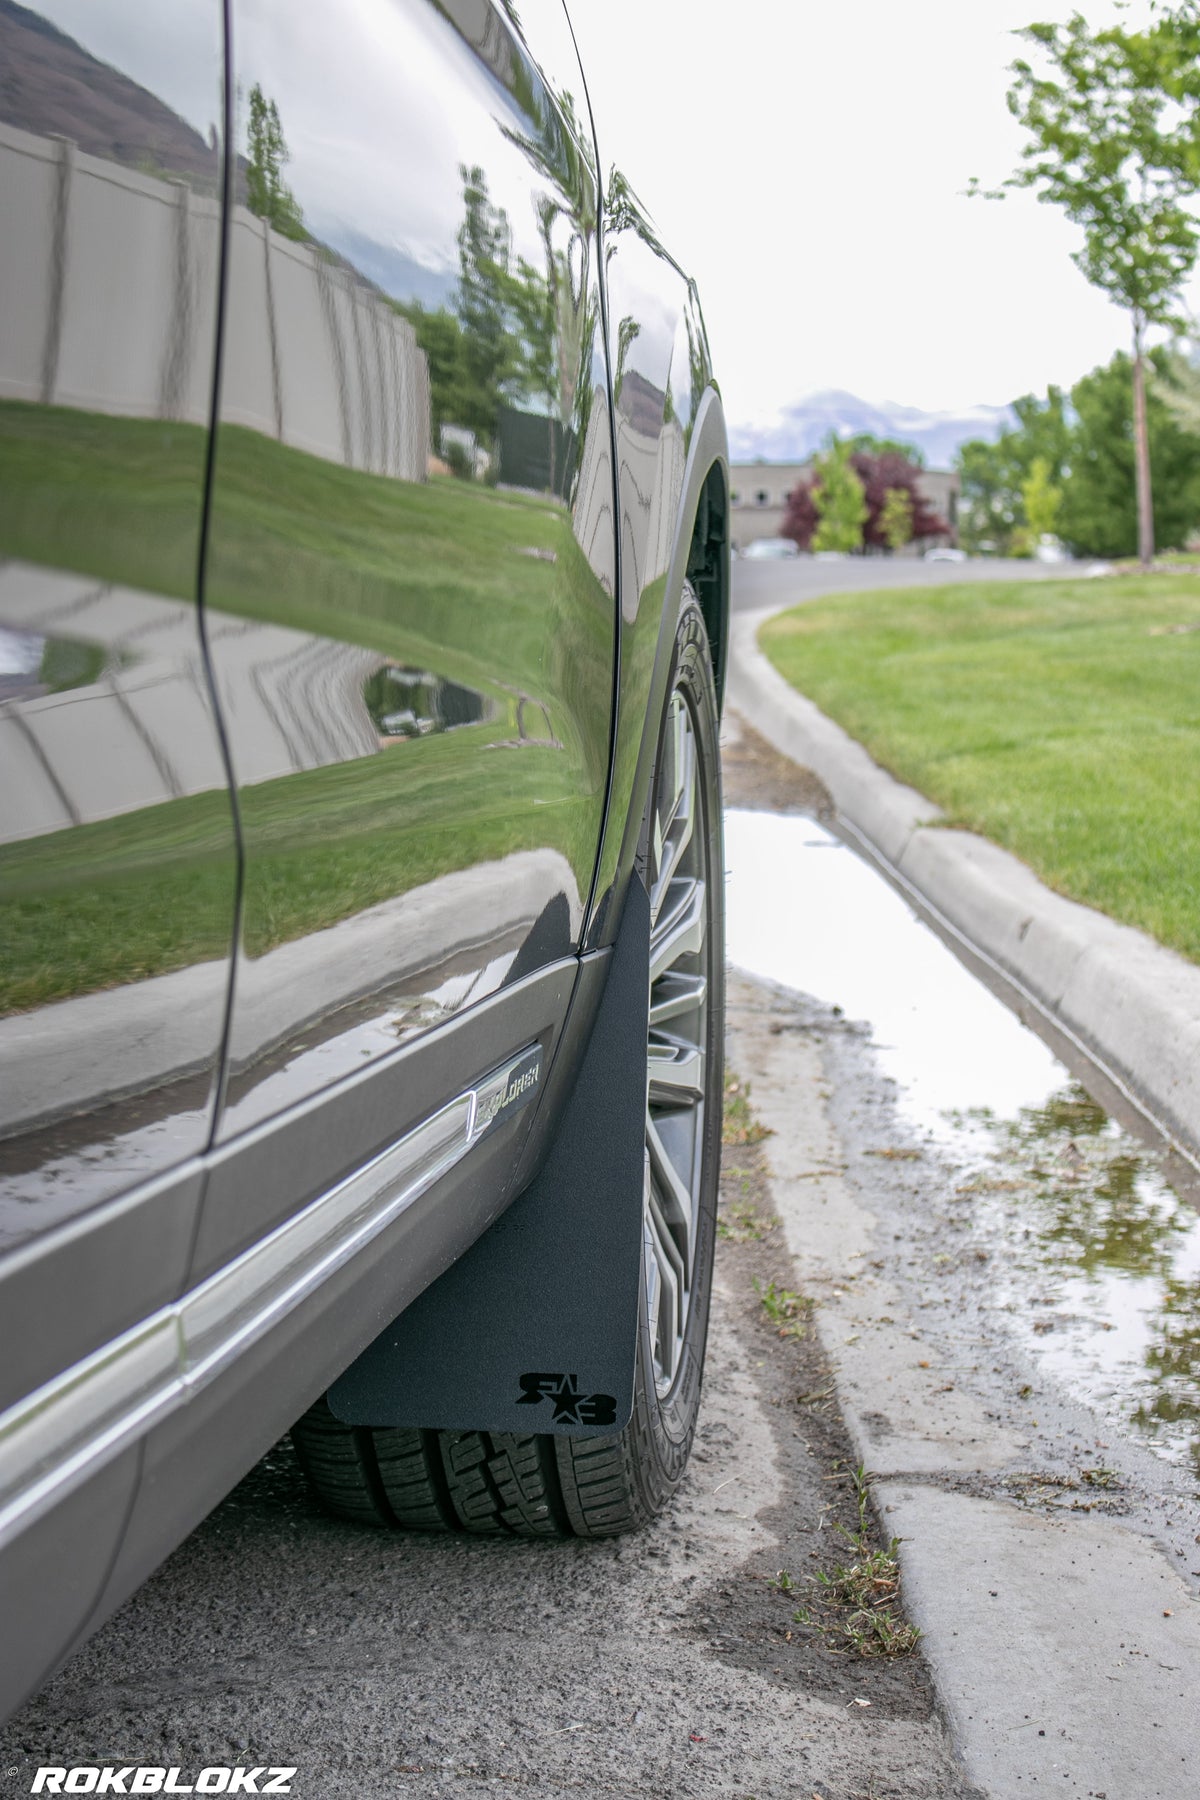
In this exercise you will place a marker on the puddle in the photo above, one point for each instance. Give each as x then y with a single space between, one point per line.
806 911
1094 1255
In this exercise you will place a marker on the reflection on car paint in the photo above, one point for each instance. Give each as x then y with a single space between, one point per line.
412 703
660 374
118 869
414 464
304 705
114 718
32 664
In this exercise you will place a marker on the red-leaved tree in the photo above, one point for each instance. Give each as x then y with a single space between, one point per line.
878 472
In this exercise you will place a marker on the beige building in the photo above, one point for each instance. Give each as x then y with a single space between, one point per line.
760 490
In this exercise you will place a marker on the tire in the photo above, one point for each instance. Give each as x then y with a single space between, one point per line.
548 1486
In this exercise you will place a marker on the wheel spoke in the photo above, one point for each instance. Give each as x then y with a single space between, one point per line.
675 994
676 1072
683 929
672 1194
675 813
669 1266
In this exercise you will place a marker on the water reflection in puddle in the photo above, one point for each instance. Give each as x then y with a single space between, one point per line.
1096 1256
804 910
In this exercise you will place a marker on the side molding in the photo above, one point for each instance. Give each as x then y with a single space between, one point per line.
57 1437
535 1328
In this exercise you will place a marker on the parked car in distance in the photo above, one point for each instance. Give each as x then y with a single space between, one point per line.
945 553
363 622
771 549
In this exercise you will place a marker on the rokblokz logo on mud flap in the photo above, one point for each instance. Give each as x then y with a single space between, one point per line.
153 1778
570 1406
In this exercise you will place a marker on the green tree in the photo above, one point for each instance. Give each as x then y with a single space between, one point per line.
267 194
1042 432
1179 387
1040 500
990 501
1113 124
483 305
839 499
994 474
896 518
439 333
1098 516
536 302
513 332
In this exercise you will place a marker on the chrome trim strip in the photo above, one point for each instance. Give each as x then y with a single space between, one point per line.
240 1302
59 1434
85 1417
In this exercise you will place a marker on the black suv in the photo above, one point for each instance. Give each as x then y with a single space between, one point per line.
363 603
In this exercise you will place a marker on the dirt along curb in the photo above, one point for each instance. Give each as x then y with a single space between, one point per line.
1130 1005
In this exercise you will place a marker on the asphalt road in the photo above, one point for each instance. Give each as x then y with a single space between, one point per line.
770 583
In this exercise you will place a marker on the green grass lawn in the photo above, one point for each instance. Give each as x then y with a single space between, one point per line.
1060 719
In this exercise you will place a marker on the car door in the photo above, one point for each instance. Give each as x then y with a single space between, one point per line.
117 842
410 588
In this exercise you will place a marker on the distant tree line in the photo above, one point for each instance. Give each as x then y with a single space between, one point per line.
862 493
1066 468
1111 123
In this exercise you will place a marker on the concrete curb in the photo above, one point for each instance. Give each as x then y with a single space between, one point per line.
1131 1004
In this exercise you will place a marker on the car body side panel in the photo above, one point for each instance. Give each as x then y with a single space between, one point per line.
117 840
320 1140
416 639
410 595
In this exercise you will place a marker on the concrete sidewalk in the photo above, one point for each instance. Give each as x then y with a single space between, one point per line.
1064 1644
1130 1004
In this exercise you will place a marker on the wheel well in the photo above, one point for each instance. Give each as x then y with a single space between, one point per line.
708 568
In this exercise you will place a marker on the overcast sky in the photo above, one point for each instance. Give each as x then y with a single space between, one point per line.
807 164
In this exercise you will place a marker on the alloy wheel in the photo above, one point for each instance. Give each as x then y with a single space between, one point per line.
678 1039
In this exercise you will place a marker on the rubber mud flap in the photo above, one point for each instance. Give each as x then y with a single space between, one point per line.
535 1328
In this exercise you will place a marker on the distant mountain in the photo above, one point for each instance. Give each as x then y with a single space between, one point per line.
391 268
804 424
51 84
